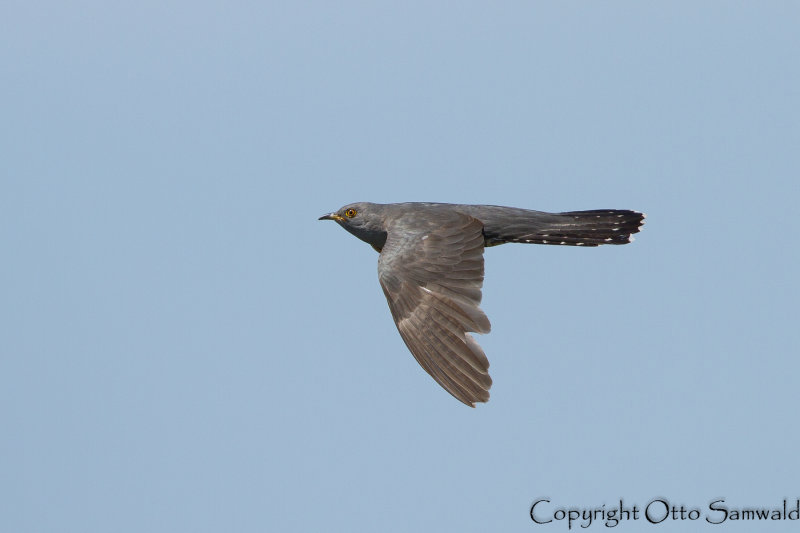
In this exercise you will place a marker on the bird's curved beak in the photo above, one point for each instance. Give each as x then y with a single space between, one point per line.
331 216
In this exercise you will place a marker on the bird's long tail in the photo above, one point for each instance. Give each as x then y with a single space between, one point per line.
574 228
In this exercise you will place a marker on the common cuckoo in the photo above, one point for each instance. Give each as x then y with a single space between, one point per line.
431 270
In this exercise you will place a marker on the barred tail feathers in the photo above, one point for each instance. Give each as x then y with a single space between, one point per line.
579 228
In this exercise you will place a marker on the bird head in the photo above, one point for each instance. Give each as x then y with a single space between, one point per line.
362 219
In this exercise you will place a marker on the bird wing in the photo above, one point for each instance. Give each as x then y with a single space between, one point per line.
431 271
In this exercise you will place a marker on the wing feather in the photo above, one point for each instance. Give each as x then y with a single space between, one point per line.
431 271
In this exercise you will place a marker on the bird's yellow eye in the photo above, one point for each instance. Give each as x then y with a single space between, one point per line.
350 213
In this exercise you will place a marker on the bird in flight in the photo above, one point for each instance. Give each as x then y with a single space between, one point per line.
431 270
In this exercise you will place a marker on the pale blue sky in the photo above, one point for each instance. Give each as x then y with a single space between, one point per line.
186 348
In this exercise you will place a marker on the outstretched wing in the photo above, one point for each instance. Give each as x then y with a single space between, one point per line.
431 271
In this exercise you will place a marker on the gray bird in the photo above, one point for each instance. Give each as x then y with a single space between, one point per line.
431 270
